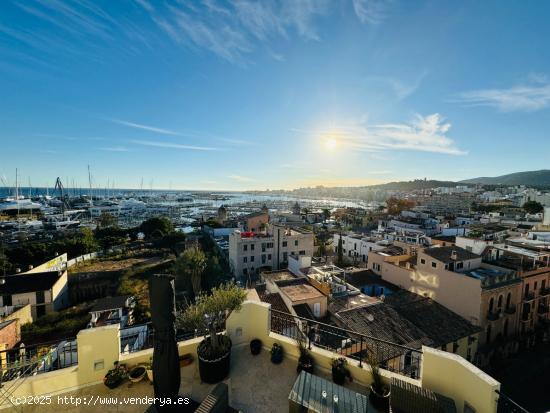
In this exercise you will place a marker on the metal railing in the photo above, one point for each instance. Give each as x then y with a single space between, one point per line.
142 337
37 358
346 343
507 405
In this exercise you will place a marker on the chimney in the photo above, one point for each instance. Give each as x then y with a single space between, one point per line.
454 255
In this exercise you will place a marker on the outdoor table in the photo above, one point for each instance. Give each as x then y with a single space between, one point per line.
314 394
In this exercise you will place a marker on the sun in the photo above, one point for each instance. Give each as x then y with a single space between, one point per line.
330 144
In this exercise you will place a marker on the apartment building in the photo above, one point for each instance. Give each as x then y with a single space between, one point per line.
356 247
250 252
486 295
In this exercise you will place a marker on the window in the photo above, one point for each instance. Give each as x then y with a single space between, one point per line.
252 258
245 247
245 259
434 264
285 256
296 243
245 271
302 253
269 245
422 261
508 298
459 265
499 301
491 304
263 246
263 258
269 257
535 287
284 243
488 333
469 354
252 247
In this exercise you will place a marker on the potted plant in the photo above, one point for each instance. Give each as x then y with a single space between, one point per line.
276 353
305 361
255 346
208 315
137 373
115 376
379 394
340 371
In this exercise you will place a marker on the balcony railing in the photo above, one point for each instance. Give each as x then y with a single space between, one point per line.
493 315
545 291
529 296
35 359
142 337
390 356
507 405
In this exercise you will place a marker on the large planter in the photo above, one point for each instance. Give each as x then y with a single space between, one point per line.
137 374
380 401
255 347
213 370
305 364
339 376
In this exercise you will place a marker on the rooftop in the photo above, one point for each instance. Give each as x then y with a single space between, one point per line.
25 283
445 254
441 325
110 303
301 292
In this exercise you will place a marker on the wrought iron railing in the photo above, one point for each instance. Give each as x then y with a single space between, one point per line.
37 358
507 405
142 337
389 356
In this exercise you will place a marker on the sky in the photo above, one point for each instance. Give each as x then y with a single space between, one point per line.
274 94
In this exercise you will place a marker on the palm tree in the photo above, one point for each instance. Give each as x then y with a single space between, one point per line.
192 264
326 214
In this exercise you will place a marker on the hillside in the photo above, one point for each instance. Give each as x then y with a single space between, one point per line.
539 178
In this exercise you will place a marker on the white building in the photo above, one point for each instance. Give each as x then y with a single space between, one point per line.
250 252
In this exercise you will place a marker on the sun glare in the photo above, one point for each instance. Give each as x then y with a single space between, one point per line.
330 144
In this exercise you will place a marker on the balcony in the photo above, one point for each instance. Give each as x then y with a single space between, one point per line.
255 384
543 309
493 315
530 296
545 291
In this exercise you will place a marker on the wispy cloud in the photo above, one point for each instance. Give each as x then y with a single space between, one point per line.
173 145
144 127
423 133
240 178
399 88
235 30
532 96
371 11
115 149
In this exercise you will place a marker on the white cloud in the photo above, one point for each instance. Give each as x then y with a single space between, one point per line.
240 178
173 145
371 11
423 133
115 149
144 127
528 98
234 31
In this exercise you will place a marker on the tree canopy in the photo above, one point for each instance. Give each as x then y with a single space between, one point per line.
533 207
157 227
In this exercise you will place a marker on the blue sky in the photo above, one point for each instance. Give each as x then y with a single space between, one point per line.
282 94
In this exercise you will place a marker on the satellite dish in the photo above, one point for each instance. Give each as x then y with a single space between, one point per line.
370 317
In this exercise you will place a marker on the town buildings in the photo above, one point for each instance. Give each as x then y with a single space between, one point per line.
250 252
